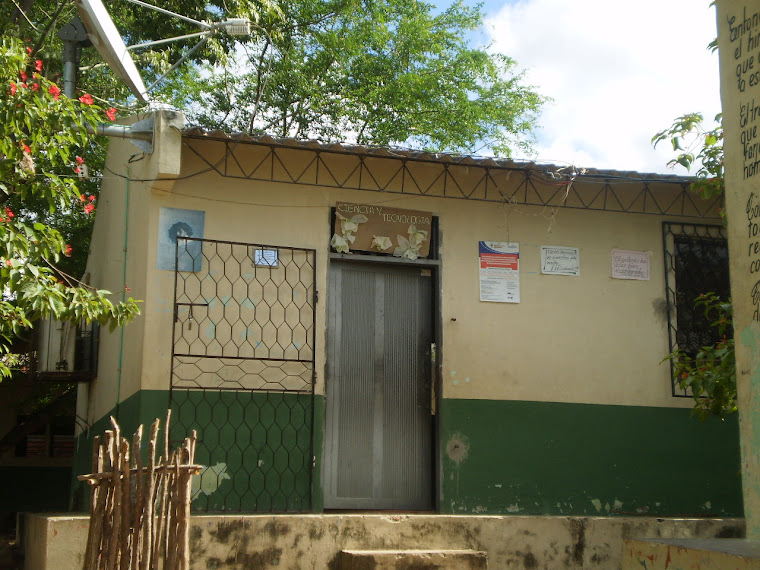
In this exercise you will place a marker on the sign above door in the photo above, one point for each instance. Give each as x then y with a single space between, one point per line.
369 227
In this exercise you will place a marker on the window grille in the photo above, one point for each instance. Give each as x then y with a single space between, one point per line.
696 262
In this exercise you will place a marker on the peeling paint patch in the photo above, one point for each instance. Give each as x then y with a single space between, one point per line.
209 480
597 505
457 448
513 509
708 505
617 505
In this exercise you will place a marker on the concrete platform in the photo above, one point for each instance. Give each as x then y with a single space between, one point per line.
316 541
417 559
694 553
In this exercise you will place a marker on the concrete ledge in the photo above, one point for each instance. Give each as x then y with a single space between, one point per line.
655 554
316 541
417 559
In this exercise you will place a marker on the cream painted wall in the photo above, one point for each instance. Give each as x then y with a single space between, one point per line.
126 183
586 339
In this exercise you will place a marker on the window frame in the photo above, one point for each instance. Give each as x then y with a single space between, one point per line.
671 232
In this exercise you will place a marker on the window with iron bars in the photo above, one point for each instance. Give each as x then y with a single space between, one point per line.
696 262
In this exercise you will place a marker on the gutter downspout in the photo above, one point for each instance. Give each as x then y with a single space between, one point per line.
123 290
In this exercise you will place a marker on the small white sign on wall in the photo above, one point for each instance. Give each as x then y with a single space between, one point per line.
560 260
630 264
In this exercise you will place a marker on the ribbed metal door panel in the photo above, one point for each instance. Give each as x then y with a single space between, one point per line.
378 440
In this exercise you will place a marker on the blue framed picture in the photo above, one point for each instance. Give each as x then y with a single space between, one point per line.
174 226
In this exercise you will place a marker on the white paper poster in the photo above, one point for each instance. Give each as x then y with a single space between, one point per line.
560 260
630 264
499 271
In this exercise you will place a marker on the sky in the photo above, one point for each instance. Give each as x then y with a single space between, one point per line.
618 72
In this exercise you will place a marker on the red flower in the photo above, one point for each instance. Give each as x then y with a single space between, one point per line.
67 251
82 198
77 169
88 208
9 212
35 86
13 88
38 65
28 50
92 198
111 114
127 289
9 263
24 76
86 99
54 91
26 148
80 160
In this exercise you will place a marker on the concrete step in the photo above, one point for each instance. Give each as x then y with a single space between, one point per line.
417 559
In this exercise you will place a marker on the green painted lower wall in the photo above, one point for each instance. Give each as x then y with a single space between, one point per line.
497 457
534 458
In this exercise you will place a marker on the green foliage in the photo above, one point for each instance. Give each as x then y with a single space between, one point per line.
40 132
710 375
382 72
695 145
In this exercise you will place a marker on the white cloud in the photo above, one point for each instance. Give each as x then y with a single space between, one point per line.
617 72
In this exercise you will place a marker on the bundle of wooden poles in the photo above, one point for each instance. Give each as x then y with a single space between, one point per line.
139 512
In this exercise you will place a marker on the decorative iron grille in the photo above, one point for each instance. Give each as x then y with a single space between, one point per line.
696 262
243 372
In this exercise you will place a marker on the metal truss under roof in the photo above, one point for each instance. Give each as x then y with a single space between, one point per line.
396 171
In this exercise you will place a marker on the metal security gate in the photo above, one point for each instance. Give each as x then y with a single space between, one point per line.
243 372
378 440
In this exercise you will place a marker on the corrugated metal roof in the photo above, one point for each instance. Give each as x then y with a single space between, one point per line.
552 170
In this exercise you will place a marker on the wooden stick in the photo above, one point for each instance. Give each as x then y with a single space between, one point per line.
126 507
107 513
114 542
149 509
183 521
95 478
138 503
93 538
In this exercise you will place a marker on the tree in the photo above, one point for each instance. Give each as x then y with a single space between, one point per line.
40 130
710 374
382 72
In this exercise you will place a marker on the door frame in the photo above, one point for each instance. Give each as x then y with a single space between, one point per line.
435 266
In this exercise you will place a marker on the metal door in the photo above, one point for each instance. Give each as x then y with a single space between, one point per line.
379 423
243 372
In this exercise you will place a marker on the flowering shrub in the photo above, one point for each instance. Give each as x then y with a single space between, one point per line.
39 130
710 375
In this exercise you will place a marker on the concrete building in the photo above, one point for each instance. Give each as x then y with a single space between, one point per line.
507 359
